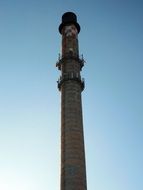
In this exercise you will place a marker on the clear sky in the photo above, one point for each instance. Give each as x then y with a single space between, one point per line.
111 40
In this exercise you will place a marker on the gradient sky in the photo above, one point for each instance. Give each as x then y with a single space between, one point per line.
111 40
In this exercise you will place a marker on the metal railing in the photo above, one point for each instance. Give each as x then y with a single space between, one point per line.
78 58
71 76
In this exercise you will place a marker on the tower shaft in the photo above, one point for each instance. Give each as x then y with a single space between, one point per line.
73 171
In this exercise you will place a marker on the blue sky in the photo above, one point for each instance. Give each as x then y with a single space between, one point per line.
111 40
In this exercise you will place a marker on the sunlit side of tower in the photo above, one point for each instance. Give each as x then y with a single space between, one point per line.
73 170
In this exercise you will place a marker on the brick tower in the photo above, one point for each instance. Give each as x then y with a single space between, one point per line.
73 171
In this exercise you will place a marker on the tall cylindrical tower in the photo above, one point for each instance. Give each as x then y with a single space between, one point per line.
73 171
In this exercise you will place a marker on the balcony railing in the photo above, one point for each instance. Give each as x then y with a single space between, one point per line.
71 76
70 55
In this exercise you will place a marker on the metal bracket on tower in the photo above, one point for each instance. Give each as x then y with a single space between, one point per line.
71 77
77 58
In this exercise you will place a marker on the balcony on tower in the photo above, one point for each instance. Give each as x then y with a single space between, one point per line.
72 77
71 56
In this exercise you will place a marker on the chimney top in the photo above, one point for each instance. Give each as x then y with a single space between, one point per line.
69 18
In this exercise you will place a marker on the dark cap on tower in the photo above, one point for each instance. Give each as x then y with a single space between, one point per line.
69 18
